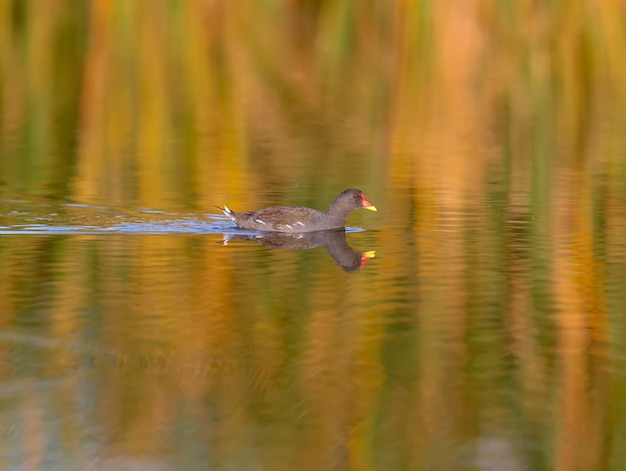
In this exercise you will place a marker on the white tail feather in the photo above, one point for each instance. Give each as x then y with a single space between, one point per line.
228 212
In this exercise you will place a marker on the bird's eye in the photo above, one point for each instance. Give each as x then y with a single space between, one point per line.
356 197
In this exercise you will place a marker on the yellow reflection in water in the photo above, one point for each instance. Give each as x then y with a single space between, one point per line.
490 137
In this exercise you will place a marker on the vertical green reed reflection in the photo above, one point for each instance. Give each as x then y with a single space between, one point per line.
492 132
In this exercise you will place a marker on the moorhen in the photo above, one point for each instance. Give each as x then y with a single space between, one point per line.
297 219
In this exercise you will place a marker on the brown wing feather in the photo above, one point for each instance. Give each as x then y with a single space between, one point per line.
282 215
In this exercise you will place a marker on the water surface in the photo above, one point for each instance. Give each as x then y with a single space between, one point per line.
475 322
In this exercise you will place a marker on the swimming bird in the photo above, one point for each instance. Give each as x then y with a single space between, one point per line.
299 219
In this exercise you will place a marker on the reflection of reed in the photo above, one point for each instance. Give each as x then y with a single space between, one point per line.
134 88
479 109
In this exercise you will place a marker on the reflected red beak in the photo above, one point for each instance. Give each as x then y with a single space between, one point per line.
365 256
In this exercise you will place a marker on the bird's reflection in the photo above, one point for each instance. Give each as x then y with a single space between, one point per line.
334 241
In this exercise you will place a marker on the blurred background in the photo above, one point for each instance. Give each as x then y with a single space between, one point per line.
488 332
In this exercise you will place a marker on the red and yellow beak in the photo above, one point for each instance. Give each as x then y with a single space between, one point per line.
367 204
365 256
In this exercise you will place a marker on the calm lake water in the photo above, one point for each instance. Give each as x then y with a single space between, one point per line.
163 341
476 321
